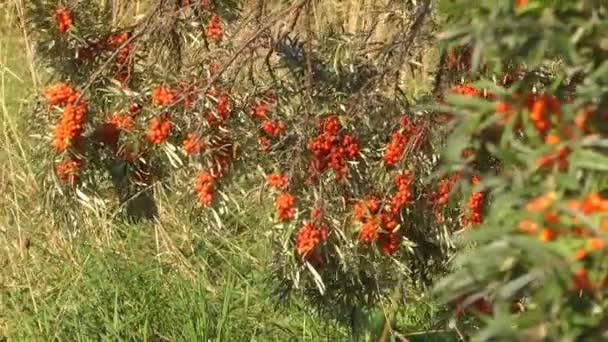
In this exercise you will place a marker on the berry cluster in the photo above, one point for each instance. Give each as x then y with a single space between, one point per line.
474 206
403 195
331 148
64 19
381 228
277 180
264 144
191 144
542 212
70 127
214 28
395 148
273 128
284 205
466 90
377 226
308 238
60 93
162 96
122 121
520 3
542 109
557 158
552 225
222 109
399 140
204 187
259 110
440 198
122 61
67 171
158 130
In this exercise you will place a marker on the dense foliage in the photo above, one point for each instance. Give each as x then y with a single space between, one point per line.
538 106
228 105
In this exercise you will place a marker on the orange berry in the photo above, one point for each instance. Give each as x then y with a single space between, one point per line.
595 244
528 226
552 139
547 234
541 203
580 254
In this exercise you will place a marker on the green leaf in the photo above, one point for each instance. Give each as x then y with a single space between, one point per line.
588 159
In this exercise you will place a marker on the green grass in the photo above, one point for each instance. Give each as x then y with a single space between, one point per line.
127 297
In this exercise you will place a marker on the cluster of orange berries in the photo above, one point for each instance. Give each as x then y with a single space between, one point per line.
158 130
277 180
191 144
590 205
63 18
542 109
124 54
259 109
122 121
273 128
222 109
441 196
378 226
67 171
311 234
284 206
206 181
60 93
555 226
264 144
474 205
395 148
466 90
399 140
204 187
70 127
331 148
403 194
214 28
162 96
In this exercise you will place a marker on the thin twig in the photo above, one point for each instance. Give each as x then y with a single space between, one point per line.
117 51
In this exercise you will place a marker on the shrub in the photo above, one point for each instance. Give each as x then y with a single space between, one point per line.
537 107
184 100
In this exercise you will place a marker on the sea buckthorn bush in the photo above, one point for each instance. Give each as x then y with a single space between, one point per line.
535 105
198 99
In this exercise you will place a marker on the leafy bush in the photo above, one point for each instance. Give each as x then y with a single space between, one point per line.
537 263
173 100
